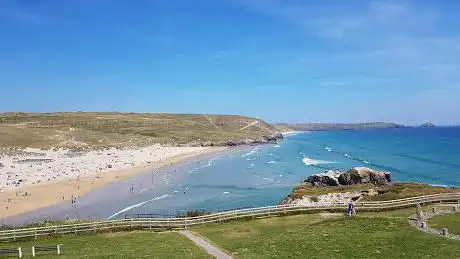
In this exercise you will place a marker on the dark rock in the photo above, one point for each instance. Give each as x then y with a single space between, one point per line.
328 178
358 175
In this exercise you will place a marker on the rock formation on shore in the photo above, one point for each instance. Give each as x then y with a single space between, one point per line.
355 175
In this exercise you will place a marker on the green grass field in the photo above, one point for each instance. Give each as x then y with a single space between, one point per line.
324 235
117 245
451 222
329 236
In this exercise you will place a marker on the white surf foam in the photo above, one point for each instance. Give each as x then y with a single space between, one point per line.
250 159
253 151
251 165
138 205
226 192
308 161
272 162
277 146
366 162
268 179
440 185
347 155
328 149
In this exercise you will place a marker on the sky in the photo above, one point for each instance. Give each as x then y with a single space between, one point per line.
282 61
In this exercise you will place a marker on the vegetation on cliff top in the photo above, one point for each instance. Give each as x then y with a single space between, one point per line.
389 192
80 130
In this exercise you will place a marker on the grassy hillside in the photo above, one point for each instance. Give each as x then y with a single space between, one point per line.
282 127
339 126
83 130
329 235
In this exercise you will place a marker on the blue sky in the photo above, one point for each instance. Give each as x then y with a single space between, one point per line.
290 61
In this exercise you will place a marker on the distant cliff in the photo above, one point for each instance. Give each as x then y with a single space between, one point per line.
93 130
427 125
339 126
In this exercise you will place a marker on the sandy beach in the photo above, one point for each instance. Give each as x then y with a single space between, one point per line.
40 178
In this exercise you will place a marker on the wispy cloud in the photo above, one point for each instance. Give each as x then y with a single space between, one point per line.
397 37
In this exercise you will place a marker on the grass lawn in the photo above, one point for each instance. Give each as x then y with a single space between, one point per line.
451 222
135 244
328 236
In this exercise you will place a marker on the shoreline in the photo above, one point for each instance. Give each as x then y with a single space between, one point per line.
291 133
27 199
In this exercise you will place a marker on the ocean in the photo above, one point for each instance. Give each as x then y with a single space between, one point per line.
263 175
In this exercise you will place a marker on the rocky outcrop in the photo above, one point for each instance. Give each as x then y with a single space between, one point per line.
357 175
328 178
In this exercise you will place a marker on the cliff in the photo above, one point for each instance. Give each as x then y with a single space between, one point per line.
339 126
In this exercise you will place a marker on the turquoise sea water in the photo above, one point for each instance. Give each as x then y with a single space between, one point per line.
264 175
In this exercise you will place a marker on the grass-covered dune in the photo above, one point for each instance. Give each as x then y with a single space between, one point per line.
80 130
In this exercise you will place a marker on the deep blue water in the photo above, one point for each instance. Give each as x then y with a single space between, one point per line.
264 175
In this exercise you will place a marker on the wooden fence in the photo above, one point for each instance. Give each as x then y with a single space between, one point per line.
181 223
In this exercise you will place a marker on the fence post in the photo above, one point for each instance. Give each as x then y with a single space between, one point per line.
33 251
14 235
445 232
419 212
20 252
58 247
455 208
185 222
424 225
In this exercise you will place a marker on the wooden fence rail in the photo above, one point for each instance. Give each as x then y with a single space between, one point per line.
181 223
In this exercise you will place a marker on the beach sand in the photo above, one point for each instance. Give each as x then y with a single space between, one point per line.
38 178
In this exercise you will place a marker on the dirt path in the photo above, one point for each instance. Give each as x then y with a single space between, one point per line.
210 249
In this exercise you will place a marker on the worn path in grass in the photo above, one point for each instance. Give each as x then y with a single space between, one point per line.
210 249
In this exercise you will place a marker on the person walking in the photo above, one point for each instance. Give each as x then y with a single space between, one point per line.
351 209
